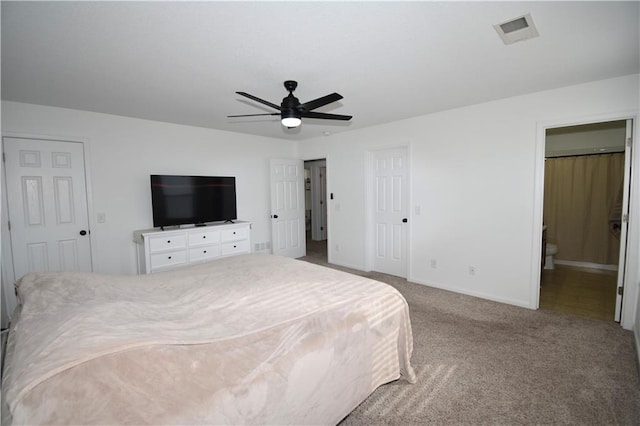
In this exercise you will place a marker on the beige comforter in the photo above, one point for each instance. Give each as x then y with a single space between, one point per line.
251 339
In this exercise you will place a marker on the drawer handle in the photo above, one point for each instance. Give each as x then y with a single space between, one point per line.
204 251
169 257
168 241
234 232
235 246
204 236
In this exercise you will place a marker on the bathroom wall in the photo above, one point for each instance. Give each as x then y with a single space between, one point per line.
586 139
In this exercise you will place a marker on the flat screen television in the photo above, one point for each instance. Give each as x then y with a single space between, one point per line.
192 200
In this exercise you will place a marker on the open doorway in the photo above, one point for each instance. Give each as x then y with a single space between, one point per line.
315 185
587 169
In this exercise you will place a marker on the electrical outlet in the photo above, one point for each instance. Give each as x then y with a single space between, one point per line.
472 270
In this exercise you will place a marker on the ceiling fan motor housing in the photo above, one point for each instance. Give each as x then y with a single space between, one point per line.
290 107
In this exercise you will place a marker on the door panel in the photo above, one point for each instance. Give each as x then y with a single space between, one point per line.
287 208
37 257
323 202
622 262
318 202
390 204
47 205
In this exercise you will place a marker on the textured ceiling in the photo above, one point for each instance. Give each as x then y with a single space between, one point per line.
182 62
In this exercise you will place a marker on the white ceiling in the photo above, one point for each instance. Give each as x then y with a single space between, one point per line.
182 62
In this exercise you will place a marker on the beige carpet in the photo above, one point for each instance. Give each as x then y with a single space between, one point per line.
481 362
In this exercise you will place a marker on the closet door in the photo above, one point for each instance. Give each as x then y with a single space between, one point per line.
287 208
47 201
389 175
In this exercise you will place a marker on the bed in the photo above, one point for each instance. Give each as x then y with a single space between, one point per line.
249 339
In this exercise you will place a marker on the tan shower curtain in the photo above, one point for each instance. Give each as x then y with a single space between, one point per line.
580 193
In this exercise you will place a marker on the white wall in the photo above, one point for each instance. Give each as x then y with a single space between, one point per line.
123 152
473 173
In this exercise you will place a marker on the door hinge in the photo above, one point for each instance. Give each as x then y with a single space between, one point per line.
620 290
625 217
4 157
322 228
9 224
629 142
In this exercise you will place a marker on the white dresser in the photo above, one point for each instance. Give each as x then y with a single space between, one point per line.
162 250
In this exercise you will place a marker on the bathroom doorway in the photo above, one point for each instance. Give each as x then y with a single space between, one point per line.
315 181
585 210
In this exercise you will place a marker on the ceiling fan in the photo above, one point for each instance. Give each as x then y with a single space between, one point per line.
292 111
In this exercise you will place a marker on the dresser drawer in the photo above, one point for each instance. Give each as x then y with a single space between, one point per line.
234 247
204 238
169 258
234 234
167 242
204 253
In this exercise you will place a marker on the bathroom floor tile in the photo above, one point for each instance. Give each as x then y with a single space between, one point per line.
584 292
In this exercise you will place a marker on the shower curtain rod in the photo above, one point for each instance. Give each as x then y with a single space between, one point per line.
585 155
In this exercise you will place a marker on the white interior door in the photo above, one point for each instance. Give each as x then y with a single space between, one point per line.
390 211
323 201
47 205
625 219
318 171
287 208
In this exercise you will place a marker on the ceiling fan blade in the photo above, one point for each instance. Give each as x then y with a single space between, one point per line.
251 115
262 101
323 115
317 103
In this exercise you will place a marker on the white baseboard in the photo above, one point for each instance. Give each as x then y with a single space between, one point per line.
589 265
478 294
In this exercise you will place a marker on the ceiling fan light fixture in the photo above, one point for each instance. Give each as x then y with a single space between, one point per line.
290 120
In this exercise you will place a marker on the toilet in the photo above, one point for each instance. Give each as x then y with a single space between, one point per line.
551 250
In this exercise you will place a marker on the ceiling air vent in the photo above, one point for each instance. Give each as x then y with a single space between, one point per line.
518 29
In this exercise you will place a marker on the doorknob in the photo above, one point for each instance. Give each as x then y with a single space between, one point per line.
275 216
83 232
